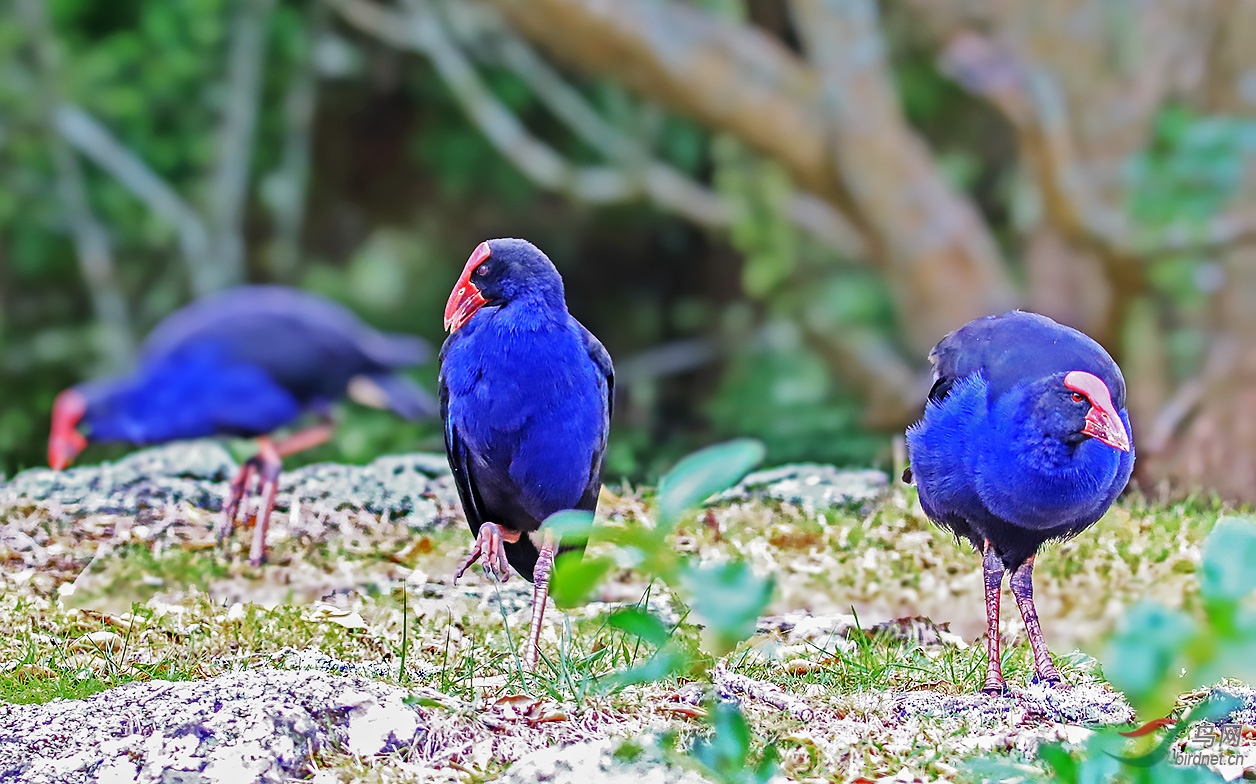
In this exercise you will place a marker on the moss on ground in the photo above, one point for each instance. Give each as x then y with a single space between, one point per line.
96 601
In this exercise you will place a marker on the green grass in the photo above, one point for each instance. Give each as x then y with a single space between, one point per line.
184 622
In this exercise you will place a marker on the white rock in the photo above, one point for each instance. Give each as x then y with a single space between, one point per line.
261 726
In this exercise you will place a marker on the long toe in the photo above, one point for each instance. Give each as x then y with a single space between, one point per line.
1052 680
467 562
996 690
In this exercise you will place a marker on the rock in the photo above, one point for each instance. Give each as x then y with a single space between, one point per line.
412 486
397 485
1085 704
193 471
810 485
260 726
1246 695
608 761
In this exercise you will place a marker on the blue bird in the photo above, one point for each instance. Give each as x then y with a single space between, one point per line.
526 394
1025 439
244 362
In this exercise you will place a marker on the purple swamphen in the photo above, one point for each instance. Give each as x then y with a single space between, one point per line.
1024 439
244 362
526 394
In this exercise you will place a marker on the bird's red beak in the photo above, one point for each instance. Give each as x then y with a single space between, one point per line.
466 299
1102 421
65 441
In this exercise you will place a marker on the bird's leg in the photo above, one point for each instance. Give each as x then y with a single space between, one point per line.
490 543
1022 585
267 462
239 488
992 570
270 463
305 439
540 593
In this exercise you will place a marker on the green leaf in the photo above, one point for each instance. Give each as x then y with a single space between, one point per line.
1142 657
576 577
730 598
704 473
640 623
1228 573
726 751
1058 760
668 661
571 526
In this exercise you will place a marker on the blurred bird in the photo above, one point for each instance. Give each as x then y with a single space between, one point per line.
1024 439
526 394
244 362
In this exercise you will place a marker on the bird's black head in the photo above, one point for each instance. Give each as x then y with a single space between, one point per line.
499 272
1077 405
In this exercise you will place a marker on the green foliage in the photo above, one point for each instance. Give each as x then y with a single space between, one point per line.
703 474
1191 168
726 752
729 597
1157 654
580 578
1156 644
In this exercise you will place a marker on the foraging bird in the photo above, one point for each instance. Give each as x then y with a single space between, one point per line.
244 362
1024 439
526 394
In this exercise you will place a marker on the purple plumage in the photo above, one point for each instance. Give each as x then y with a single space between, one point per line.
1025 439
526 395
244 362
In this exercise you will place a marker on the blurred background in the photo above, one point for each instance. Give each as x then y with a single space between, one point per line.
768 210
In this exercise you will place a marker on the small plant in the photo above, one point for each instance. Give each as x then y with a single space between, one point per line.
1158 654
727 597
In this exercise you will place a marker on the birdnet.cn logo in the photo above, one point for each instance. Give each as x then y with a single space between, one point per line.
1207 743
1213 744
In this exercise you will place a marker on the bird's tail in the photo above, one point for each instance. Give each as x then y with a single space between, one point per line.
395 392
396 350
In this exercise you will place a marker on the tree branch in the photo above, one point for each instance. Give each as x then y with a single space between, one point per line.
92 140
666 186
943 266
229 182
934 243
878 369
293 176
1030 100
90 239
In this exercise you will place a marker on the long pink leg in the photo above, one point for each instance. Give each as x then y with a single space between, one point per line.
239 489
540 593
266 464
992 570
1022 584
268 476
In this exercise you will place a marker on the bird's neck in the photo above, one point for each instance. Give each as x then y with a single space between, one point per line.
1053 480
535 312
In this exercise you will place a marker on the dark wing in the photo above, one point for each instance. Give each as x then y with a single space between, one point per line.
1009 348
522 554
308 344
602 359
459 458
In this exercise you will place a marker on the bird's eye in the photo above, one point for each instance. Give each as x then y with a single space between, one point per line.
482 270
1078 397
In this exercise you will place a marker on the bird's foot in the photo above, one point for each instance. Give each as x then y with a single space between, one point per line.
265 465
996 688
1051 679
489 543
241 491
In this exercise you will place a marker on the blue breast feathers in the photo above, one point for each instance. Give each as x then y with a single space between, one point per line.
529 405
976 458
191 393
